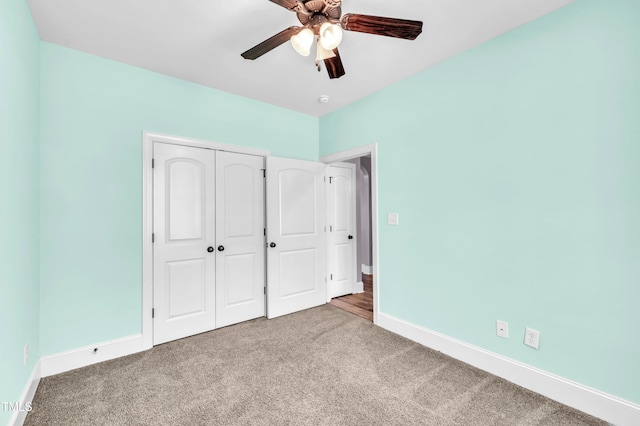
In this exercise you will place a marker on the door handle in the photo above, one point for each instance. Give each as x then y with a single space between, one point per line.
209 249
220 248
351 237
272 245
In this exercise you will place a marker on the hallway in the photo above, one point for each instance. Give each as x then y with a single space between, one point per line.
360 304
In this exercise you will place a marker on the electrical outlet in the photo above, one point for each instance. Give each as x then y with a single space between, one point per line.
502 329
531 337
26 353
392 219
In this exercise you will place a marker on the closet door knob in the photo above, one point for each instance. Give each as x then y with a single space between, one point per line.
351 237
220 248
272 245
209 249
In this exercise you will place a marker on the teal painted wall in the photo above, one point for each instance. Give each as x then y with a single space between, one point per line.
19 271
514 168
93 114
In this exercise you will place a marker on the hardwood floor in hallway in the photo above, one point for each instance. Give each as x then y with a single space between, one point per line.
360 304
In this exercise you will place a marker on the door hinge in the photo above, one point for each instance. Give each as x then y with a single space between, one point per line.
330 177
264 231
153 163
265 290
331 277
153 313
264 173
331 228
153 238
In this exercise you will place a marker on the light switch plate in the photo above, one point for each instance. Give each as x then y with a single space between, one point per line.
392 218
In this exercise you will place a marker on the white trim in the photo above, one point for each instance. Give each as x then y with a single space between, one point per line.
349 154
367 269
147 245
362 151
359 287
18 417
607 407
148 139
81 357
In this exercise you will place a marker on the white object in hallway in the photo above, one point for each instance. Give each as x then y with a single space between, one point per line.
240 248
296 254
184 271
341 227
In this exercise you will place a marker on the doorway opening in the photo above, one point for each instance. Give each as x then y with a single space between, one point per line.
364 301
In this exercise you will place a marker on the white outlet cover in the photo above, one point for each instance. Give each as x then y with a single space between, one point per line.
531 337
502 329
392 218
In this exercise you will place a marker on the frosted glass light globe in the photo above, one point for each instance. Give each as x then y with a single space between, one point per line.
330 35
302 41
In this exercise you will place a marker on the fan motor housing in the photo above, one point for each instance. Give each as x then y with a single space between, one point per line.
318 14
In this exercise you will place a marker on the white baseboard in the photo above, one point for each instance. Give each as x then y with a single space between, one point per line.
81 357
18 417
599 404
359 287
367 269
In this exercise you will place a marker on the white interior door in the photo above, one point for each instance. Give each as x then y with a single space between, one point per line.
240 258
341 224
296 256
184 269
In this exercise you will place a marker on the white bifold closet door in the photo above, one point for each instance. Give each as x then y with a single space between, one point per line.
209 246
184 235
240 240
296 256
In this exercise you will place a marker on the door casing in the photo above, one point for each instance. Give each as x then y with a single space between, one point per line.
362 151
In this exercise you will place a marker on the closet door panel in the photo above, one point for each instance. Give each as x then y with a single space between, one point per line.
240 251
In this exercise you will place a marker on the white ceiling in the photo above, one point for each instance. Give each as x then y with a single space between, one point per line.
201 41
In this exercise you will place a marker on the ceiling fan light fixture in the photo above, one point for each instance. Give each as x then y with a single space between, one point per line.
302 41
330 35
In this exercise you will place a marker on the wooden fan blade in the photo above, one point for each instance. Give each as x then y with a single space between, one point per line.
334 65
287 4
390 27
271 43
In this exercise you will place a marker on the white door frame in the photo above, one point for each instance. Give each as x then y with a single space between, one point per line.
148 138
362 151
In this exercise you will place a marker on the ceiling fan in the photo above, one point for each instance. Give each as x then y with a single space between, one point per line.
323 19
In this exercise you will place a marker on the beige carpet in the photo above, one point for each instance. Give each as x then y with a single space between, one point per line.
322 366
